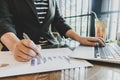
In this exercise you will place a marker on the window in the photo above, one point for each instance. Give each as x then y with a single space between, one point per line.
110 12
76 14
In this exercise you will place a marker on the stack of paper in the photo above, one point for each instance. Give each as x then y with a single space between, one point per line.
55 59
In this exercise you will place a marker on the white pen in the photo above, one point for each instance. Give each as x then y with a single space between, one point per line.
25 36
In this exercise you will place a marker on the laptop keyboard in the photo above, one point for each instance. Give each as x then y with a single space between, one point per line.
110 51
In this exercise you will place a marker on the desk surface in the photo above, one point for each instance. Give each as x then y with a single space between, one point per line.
103 71
100 71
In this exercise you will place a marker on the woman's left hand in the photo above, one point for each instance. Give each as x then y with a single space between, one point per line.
91 41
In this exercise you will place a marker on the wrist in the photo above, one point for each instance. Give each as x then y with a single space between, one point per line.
73 35
10 40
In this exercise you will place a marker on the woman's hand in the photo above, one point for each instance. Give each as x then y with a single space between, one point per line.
88 41
24 50
91 41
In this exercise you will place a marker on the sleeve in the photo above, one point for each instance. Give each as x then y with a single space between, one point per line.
5 18
59 22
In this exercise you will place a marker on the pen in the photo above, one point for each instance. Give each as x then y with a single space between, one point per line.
3 65
25 36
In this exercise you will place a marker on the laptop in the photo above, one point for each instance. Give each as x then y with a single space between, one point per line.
110 53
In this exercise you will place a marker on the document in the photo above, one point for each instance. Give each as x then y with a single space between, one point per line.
55 59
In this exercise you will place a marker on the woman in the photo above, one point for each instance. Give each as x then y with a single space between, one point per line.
33 17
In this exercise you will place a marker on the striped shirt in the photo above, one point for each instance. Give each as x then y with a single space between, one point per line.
41 8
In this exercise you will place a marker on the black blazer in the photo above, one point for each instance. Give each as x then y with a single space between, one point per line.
20 16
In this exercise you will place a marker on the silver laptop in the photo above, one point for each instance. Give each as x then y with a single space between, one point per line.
110 53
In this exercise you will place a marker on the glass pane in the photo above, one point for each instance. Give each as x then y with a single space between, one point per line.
76 14
111 13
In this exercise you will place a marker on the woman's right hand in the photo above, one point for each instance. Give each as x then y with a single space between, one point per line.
24 50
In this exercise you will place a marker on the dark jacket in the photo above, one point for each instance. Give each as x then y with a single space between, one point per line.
20 16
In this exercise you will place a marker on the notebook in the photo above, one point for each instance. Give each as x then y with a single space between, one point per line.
110 53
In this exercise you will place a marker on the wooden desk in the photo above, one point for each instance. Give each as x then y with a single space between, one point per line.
100 71
103 71
42 76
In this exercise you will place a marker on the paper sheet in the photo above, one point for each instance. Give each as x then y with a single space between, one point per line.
56 59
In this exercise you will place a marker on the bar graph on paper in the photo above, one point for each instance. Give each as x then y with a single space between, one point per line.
55 59
73 73
50 59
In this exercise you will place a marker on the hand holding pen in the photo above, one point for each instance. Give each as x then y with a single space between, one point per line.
37 50
23 50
